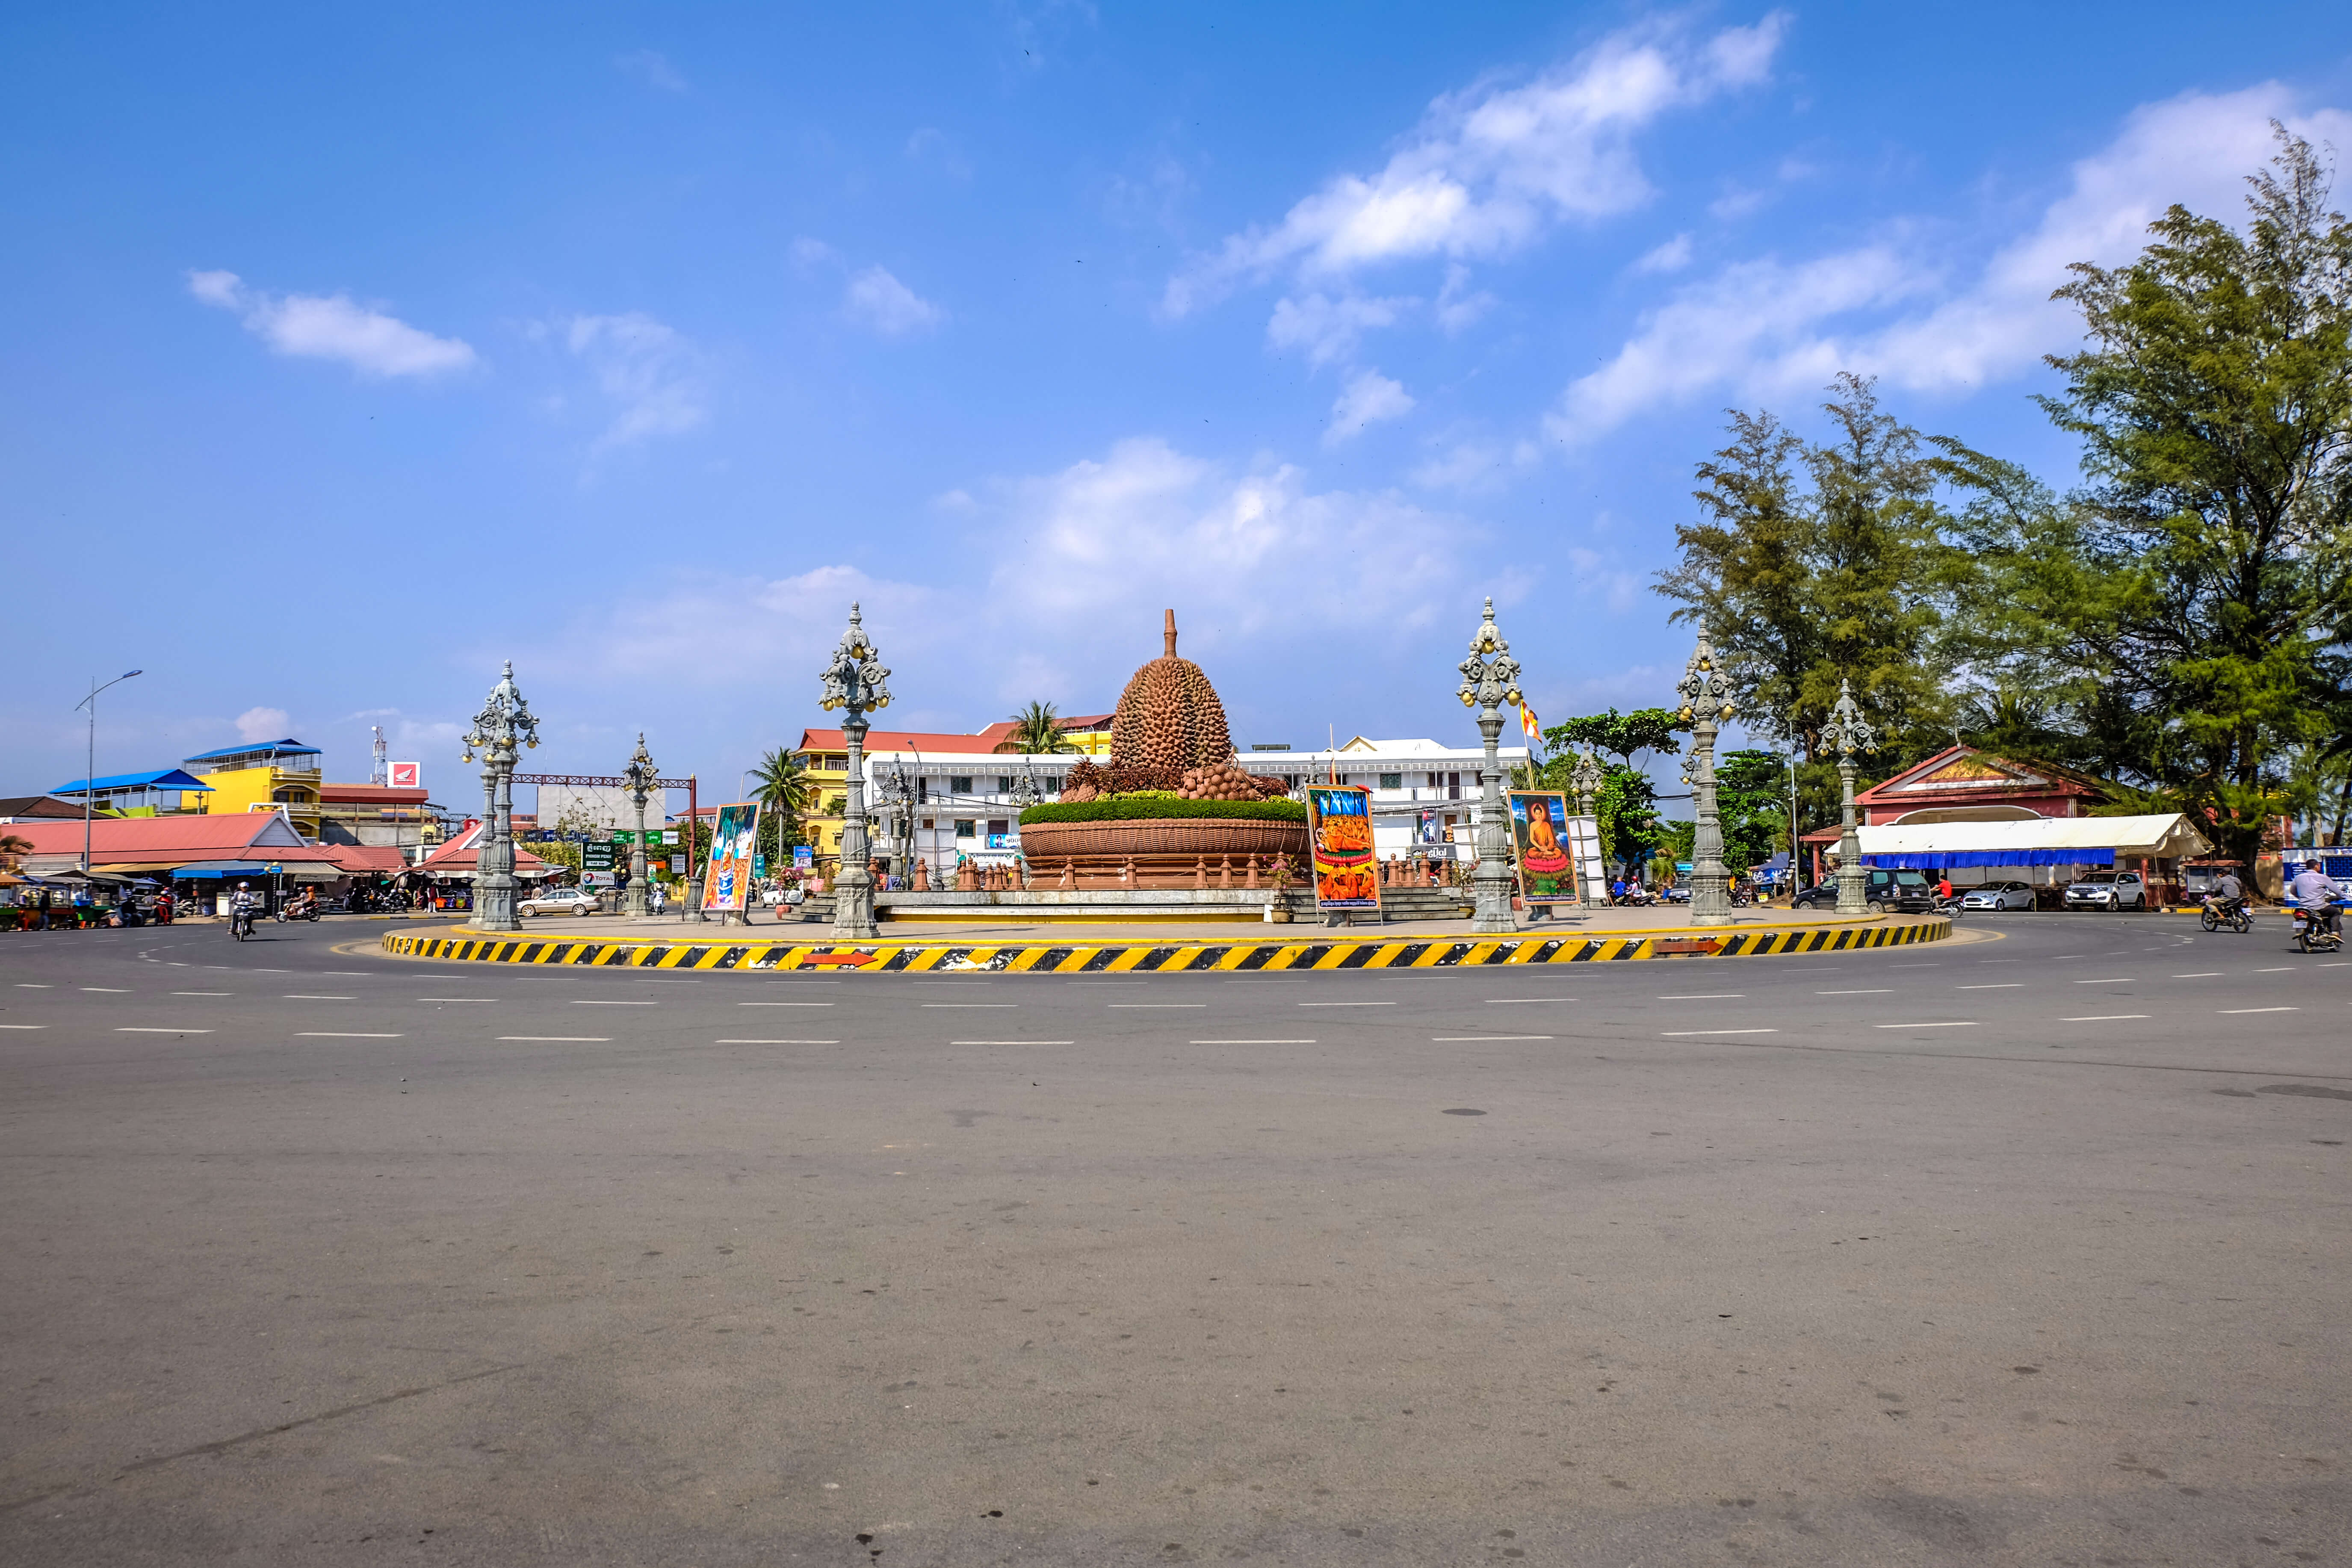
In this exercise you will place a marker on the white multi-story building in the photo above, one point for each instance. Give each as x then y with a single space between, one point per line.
968 807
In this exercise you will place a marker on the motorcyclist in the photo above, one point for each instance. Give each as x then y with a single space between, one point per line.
2316 893
241 905
2228 893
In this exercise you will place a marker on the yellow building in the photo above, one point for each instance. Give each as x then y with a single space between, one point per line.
262 776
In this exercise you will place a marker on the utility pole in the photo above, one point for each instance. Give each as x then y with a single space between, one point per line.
89 760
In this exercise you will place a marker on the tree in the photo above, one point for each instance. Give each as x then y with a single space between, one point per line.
1618 734
1846 577
1038 731
1752 802
783 788
2214 401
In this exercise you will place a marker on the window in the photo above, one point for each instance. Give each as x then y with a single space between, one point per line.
1052 786
966 827
922 792
1454 786
1392 781
928 822
998 826
959 785
1006 784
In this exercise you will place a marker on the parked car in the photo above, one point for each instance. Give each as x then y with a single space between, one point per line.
1822 895
1999 896
559 902
2107 890
1908 892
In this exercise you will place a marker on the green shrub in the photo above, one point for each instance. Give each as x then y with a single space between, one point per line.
1136 809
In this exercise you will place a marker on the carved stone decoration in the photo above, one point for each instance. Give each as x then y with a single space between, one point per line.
504 721
855 682
1069 873
922 875
1848 733
1706 702
1250 877
1169 717
1490 677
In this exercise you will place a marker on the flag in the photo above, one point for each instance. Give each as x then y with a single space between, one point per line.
1528 723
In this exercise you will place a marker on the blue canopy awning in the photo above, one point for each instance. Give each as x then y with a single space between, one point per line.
1959 859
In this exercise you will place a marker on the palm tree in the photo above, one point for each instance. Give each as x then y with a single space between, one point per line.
1038 731
783 791
12 845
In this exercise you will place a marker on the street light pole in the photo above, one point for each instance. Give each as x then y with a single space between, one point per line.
855 682
1490 677
1706 700
90 759
504 721
1848 731
641 773
1586 779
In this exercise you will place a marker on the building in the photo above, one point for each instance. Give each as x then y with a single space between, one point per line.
378 815
194 845
164 793
262 776
39 808
1961 784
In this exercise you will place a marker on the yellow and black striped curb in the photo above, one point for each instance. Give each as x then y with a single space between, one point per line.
1157 958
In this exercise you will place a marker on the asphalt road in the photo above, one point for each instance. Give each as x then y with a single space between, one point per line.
2025 1250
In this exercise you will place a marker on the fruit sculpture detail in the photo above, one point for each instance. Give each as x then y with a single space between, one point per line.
1170 733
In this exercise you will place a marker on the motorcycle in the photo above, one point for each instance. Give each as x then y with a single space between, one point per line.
240 922
297 909
2313 935
1949 908
2213 916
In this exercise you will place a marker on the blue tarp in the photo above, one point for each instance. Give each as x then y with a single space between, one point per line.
1959 859
167 778
195 873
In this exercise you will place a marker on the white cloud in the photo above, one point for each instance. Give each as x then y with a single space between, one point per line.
1490 169
255 725
1672 256
1328 328
810 252
333 327
879 301
1476 465
1367 399
644 369
651 68
1457 307
1766 327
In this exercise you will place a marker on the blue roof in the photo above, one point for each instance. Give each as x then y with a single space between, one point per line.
295 747
169 778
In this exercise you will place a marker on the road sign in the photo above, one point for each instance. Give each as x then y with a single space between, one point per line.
595 857
677 865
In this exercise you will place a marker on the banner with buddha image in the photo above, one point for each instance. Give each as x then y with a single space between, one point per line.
728 881
1339 831
1540 833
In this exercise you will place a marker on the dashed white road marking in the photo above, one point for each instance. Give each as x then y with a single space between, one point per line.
1678 1034
1941 1024
1881 990
2223 1011
135 1029
340 1034
562 1040
1012 1042
2103 1018
1238 1042
775 1042
1707 996
1345 1003
1475 1039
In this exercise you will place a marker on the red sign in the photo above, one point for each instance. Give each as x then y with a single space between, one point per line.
852 959
404 775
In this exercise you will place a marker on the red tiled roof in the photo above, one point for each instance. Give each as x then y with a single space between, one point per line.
370 858
464 851
229 835
822 740
369 794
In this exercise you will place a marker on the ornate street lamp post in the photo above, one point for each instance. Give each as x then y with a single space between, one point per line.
1490 677
1586 779
1847 733
1706 700
504 721
855 683
641 773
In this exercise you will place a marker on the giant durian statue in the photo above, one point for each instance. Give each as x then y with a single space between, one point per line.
1169 719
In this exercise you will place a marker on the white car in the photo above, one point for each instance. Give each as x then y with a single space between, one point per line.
774 897
559 902
1999 896
2108 891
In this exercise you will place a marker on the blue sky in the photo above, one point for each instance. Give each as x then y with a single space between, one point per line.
346 353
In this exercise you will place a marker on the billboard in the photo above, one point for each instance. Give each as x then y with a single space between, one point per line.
1540 833
404 775
728 882
1339 836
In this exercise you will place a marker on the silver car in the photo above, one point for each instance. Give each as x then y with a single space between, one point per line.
1999 896
2107 890
559 901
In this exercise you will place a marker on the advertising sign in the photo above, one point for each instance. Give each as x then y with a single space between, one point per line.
729 882
1540 833
804 858
677 865
598 879
595 857
1584 842
405 774
1339 834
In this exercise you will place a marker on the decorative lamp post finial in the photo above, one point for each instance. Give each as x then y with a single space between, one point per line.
1847 733
504 724
857 682
1706 696
1490 677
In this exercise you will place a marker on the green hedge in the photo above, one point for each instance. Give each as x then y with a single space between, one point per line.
1130 808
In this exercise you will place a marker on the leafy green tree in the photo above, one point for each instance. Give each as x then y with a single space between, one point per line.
1038 731
1844 574
1625 735
2214 402
1751 801
783 790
